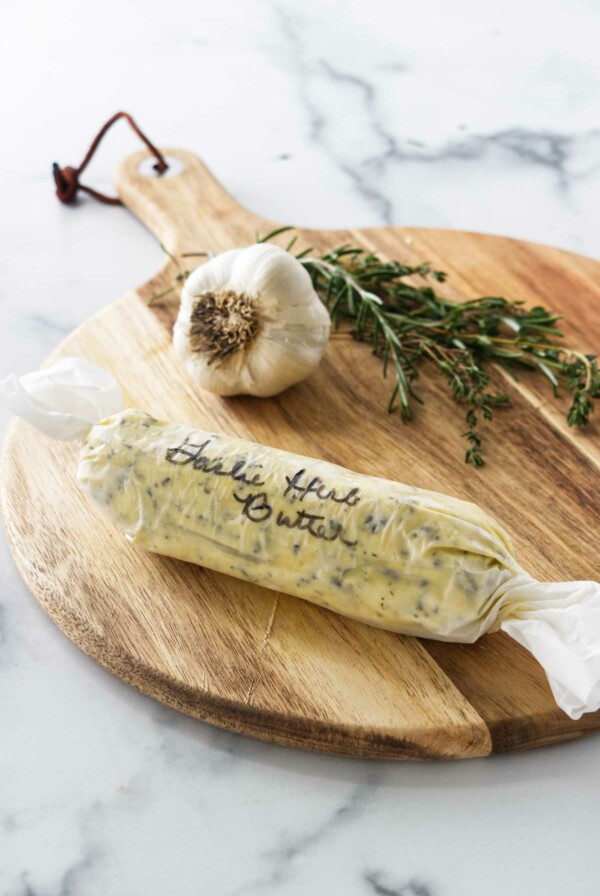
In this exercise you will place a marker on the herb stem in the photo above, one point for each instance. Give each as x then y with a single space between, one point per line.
408 323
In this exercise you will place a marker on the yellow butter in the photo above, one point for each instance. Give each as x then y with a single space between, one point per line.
386 554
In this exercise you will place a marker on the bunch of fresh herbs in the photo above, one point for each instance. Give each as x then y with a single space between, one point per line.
410 326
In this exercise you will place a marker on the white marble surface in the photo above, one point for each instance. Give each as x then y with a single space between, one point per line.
465 115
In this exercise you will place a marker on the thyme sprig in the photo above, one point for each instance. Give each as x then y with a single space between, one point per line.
409 326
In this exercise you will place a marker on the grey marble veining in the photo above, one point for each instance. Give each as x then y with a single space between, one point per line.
382 885
341 113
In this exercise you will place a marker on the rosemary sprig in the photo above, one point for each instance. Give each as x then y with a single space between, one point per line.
409 326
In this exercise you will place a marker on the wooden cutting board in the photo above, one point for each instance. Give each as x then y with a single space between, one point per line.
266 664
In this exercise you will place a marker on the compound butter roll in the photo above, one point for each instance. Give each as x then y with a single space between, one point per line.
386 554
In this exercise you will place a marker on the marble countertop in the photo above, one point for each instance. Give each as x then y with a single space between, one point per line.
453 115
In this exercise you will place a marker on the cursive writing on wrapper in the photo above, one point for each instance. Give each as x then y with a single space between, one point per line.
257 507
191 453
317 487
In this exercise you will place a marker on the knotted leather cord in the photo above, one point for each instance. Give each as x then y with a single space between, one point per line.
67 179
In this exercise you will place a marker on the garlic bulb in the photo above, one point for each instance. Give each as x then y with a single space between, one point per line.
250 322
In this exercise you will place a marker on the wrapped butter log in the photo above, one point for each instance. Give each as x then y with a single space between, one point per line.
386 554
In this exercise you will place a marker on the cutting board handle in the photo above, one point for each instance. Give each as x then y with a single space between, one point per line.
182 206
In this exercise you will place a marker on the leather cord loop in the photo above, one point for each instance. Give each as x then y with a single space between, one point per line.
67 179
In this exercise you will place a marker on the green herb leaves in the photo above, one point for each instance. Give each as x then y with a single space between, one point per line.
410 327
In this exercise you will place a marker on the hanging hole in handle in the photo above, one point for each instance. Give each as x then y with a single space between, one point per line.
146 167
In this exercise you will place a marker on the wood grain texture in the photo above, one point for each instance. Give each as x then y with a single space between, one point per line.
266 664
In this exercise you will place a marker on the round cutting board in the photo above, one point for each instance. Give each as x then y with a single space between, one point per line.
269 665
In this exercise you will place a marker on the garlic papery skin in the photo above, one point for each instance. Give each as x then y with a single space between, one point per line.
250 322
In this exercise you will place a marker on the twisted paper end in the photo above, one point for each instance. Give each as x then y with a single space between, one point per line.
65 400
559 624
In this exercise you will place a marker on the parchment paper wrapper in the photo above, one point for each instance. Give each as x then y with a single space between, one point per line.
559 623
